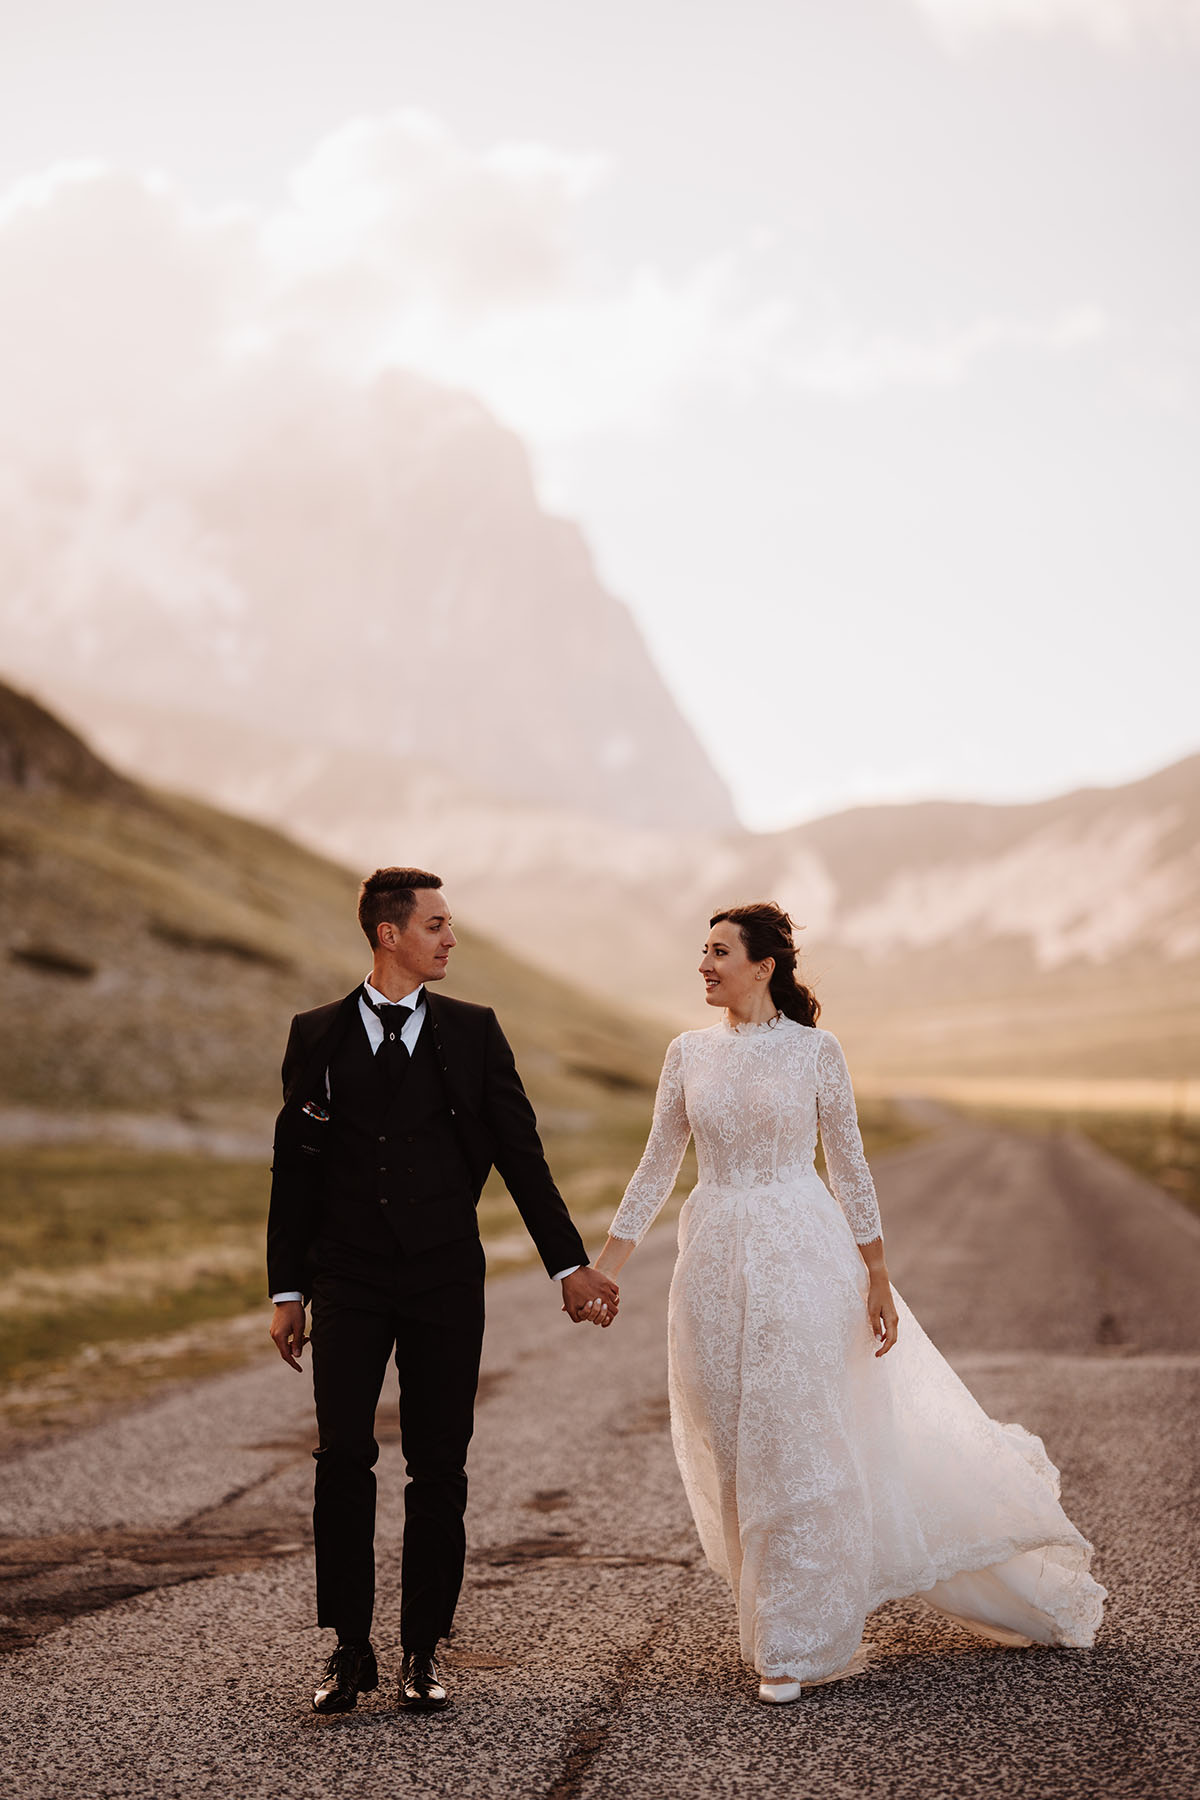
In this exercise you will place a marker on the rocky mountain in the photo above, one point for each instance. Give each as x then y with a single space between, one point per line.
1055 938
363 571
1059 938
153 949
239 616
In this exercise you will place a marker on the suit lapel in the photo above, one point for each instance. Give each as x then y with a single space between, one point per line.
435 1019
309 1082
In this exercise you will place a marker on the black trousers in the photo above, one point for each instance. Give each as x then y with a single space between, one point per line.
428 1310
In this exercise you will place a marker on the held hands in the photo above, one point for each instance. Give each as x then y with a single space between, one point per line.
881 1310
287 1332
589 1297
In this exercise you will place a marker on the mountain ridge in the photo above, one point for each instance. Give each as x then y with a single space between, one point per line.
937 930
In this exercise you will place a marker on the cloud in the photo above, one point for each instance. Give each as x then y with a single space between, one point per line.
123 308
858 366
401 198
129 318
617 355
1116 24
399 246
116 300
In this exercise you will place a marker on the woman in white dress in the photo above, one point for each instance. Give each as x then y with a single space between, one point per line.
832 1458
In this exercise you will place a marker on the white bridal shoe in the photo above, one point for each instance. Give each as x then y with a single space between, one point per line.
778 1693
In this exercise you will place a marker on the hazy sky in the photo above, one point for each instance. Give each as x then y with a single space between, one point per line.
862 336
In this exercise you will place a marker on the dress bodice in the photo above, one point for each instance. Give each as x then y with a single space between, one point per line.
754 1098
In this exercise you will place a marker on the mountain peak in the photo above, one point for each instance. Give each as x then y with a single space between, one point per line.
38 752
373 574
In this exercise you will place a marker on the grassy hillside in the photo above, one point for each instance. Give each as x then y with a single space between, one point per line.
154 949
987 1011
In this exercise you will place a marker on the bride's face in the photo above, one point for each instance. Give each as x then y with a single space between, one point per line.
730 978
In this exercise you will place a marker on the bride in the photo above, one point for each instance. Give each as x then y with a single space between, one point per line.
832 1458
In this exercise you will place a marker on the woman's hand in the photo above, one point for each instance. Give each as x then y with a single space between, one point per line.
590 1297
881 1310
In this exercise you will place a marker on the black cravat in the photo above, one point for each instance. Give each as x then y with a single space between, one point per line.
394 1019
392 1056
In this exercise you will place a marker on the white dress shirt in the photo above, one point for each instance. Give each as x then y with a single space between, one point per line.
408 1037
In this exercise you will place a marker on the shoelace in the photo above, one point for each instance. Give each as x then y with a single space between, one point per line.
341 1662
422 1667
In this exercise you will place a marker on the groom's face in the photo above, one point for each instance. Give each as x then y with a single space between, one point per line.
422 946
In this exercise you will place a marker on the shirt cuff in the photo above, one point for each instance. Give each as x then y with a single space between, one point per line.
563 1273
282 1299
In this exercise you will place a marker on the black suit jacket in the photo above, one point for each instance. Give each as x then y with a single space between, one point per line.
493 1118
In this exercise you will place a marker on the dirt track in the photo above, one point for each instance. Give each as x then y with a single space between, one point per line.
159 1582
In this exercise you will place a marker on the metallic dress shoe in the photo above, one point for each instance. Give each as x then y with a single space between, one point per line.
350 1671
421 1687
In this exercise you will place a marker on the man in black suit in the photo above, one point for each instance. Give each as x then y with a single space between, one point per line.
397 1103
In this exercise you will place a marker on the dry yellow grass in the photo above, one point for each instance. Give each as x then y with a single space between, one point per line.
1180 1099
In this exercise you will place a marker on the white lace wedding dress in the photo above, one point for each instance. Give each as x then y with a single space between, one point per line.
825 1480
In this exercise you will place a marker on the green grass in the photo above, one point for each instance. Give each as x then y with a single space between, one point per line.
1166 1150
1170 1155
109 1247
63 1209
106 1246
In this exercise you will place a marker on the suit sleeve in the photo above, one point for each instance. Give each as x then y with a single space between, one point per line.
293 1057
295 1166
518 1155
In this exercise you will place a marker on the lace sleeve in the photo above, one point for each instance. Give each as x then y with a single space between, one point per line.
849 1176
655 1176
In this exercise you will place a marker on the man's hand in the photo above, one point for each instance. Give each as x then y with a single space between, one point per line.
590 1296
287 1331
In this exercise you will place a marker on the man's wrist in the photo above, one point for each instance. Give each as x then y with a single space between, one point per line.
283 1299
573 1270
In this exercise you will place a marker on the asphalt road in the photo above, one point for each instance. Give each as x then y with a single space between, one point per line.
159 1584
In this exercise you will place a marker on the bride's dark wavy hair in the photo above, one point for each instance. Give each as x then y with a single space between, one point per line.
767 931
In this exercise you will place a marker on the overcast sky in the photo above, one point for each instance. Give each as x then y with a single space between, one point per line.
861 336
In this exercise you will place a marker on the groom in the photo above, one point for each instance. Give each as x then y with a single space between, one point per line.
397 1102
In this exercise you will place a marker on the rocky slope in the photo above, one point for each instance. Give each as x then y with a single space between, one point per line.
366 571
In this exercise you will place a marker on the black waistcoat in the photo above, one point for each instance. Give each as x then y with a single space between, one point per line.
395 1177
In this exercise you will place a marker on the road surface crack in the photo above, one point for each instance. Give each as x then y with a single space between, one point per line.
588 1738
46 1582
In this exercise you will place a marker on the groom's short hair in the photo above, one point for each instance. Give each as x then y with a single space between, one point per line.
388 896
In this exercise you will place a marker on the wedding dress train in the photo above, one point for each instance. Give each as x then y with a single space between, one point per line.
825 1480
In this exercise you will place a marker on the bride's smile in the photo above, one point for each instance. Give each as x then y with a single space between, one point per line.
733 980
